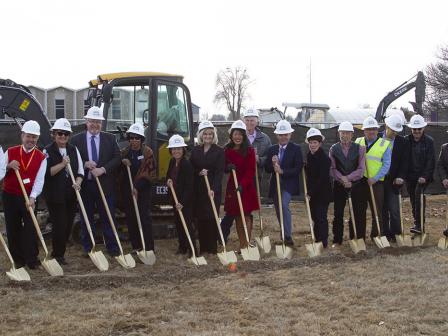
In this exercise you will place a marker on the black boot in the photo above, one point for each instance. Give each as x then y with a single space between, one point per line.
445 232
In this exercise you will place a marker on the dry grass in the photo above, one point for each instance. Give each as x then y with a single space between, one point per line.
399 291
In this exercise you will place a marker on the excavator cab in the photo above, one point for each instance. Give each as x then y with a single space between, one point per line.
160 101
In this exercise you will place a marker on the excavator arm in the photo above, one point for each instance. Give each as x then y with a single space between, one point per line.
418 84
17 102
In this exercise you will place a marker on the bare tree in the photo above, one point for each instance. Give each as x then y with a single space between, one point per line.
437 81
231 90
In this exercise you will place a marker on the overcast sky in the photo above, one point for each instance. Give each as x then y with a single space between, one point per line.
359 50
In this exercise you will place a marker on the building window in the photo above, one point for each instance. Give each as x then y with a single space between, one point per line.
59 107
86 106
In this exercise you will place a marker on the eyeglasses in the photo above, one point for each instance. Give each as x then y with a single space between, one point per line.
63 134
134 138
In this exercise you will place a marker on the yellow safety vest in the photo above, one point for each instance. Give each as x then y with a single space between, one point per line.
374 158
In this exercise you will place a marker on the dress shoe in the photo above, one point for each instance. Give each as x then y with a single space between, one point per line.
34 265
445 233
113 254
416 229
289 241
61 260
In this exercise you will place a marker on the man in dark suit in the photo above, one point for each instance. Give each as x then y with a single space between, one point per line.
286 159
395 177
101 157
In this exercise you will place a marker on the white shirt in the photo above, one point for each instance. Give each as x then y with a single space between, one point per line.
40 177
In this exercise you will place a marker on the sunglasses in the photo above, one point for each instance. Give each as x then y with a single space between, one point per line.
63 134
417 129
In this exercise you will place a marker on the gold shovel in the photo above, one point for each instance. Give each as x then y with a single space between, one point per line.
356 244
15 274
97 257
420 239
224 257
248 253
402 239
146 257
124 260
314 249
262 241
443 242
380 241
194 259
50 265
282 251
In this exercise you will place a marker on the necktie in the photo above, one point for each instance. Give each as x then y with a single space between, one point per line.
93 147
281 152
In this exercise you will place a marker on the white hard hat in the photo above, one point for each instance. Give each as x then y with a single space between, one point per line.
312 132
417 121
31 127
239 124
176 141
94 113
397 112
252 112
345 126
205 124
370 122
136 128
394 122
62 124
283 127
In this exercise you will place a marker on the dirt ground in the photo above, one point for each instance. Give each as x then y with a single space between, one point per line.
395 291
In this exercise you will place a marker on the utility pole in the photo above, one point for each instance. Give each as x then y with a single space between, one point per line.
311 100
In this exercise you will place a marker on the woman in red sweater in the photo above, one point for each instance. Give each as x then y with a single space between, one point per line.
240 156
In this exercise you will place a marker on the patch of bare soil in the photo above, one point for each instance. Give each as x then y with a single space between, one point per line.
396 291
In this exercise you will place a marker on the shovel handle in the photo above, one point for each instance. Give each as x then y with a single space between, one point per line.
280 209
400 207
422 210
352 215
257 184
184 224
81 205
109 216
137 213
215 213
375 212
7 251
30 210
307 202
240 203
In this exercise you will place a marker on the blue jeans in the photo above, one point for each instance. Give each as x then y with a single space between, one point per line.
286 198
92 199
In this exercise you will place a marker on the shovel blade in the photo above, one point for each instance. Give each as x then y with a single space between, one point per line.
442 243
314 249
52 267
403 240
250 253
378 242
147 257
227 257
99 260
198 261
354 246
384 241
264 243
18 274
361 244
283 251
126 261
400 240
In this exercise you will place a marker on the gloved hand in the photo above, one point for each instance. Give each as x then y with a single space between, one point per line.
231 167
240 189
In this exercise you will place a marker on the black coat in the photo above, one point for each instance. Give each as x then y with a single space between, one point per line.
183 186
213 161
109 158
59 185
318 181
442 163
425 158
399 159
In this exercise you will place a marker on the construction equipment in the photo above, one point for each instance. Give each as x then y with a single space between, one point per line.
194 259
146 257
262 241
380 241
97 257
419 239
50 265
15 274
314 249
443 242
224 257
402 239
356 244
282 251
124 260
249 252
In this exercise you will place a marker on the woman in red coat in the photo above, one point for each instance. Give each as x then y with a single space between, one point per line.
240 156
